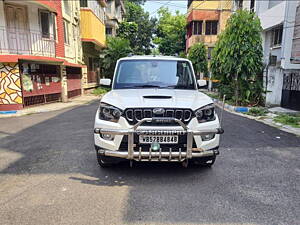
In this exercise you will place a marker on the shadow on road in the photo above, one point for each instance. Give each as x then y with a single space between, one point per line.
241 183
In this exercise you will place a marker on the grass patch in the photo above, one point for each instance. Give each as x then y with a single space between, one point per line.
212 95
257 111
100 91
291 120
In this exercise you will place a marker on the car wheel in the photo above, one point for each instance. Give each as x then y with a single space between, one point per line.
206 161
103 161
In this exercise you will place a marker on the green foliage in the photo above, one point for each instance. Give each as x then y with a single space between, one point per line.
128 30
138 28
292 120
100 91
116 48
257 111
170 32
140 2
198 56
237 59
182 54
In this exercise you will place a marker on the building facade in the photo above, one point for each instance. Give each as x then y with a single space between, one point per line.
280 20
115 11
40 57
92 29
205 20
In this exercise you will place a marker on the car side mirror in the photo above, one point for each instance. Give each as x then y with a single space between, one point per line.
201 83
105 82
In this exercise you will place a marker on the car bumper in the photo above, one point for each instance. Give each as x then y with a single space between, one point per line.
194 146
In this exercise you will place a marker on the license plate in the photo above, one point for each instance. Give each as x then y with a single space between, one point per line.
147 139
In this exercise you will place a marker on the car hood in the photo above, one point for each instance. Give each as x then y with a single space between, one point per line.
152 98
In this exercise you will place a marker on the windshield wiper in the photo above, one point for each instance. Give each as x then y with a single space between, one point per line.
178 86
147 86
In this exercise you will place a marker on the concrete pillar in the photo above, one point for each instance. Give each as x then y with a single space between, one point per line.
64 85
83 79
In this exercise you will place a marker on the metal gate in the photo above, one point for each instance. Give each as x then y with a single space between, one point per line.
40 84
291 91
73 81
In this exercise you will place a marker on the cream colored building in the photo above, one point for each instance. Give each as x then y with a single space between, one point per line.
115 11
71 25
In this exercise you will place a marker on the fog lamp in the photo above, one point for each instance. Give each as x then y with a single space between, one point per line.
207 137
108 137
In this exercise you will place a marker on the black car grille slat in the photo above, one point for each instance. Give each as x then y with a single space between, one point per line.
137 114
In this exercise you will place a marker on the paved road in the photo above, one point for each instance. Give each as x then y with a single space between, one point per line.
49 175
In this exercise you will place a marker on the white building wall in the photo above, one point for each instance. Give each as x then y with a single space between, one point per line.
31 42
274 88
73 50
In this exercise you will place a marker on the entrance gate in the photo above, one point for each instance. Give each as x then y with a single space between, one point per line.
291 91
73 81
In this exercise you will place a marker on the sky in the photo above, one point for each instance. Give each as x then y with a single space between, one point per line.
152 6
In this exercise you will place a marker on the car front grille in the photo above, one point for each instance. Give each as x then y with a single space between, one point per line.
135 115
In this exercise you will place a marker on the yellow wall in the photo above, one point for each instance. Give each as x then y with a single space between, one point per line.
92 28
222 6
214 5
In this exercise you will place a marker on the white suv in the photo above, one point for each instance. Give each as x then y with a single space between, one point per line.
155 112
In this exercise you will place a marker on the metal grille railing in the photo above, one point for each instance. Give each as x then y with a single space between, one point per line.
26 42
74 93
41 99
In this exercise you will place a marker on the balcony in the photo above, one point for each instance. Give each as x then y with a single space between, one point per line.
208 40
92 28
25 42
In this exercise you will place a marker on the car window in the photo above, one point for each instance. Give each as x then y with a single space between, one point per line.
160 73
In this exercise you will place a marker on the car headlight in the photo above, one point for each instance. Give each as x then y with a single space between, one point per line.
206 113
109 112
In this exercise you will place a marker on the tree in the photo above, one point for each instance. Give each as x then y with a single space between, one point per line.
128 30
116 48
142 33
170 32
198 56
237 59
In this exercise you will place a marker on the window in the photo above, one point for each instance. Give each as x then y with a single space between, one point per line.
273 60
252 4
277 36
67 7
211 27
108 30
45 23
66 32
157 73
197 27
83 3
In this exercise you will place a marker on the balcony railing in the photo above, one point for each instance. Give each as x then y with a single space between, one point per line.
26 42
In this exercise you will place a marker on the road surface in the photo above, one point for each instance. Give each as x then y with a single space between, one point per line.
49 175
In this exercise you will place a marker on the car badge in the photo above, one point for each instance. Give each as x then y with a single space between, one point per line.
155 146
158 111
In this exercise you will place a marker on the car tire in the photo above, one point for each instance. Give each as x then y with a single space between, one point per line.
206 161
103 161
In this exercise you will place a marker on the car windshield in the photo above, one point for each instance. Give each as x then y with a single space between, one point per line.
154 74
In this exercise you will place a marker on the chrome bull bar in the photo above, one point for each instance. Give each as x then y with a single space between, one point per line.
159 155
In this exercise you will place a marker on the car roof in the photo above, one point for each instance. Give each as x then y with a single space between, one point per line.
153 57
